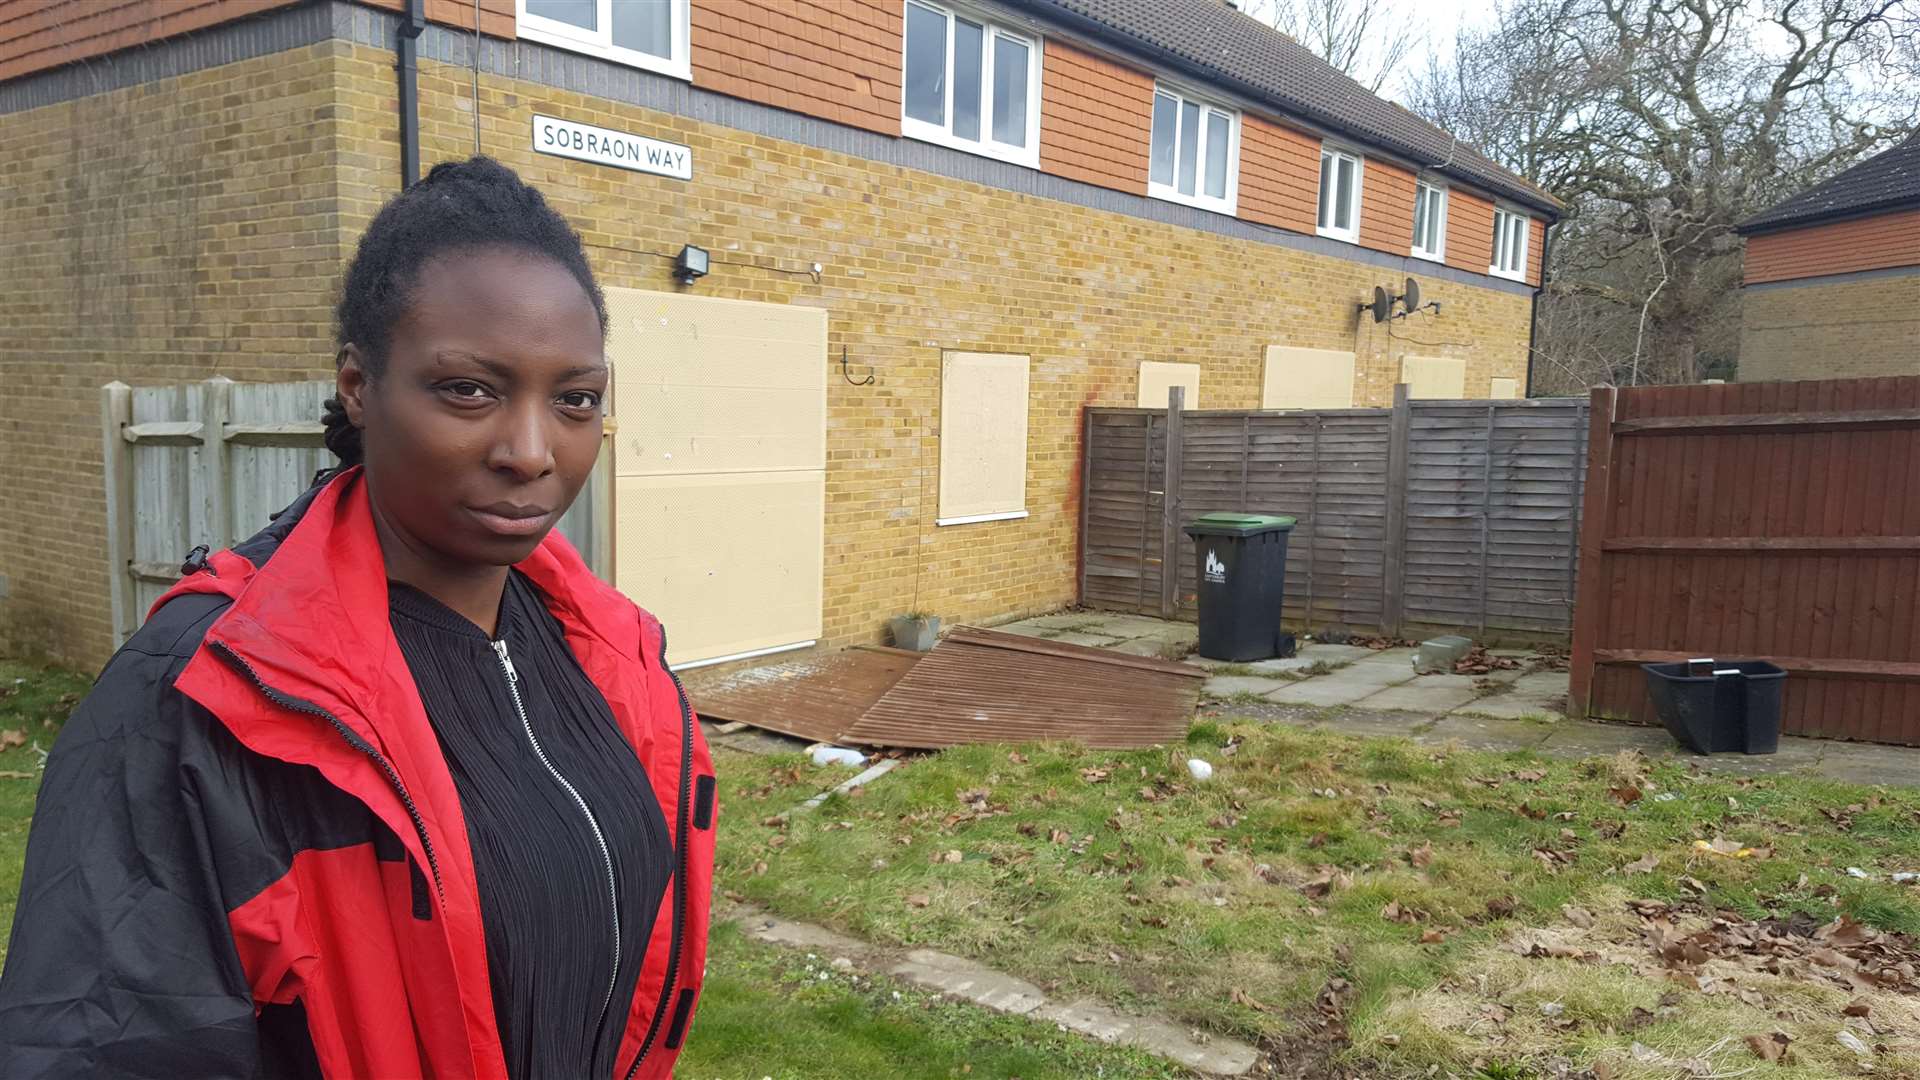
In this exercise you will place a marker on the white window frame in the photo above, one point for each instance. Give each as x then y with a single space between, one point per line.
563 35
986 145
1351 235
1171 192
1421 188
1513 243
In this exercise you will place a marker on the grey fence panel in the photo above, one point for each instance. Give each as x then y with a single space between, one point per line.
211 462
1487 510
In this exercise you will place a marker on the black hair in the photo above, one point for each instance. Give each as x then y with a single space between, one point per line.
461 205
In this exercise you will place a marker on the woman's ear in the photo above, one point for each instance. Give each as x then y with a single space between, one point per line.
350 383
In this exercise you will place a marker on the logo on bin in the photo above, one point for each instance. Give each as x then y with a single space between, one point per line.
1216 570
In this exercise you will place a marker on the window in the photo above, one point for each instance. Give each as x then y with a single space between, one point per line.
651 34
1195 152
1339 194
1429 221
971 85
983 437
1509 243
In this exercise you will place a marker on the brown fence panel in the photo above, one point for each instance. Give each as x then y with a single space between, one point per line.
1434 514
1758 521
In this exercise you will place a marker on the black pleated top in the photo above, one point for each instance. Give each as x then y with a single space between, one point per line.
533 793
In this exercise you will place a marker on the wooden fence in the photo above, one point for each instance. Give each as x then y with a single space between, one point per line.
1430 515
1759 521
207 463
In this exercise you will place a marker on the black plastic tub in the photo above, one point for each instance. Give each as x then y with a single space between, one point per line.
1733 706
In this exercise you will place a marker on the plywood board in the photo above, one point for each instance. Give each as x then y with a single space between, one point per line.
730 563
705 386
983 435
1157 377
1307 379
1434 377
1504 389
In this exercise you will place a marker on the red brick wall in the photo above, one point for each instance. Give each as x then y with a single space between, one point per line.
837 60
1096 119
1836 247
1279 175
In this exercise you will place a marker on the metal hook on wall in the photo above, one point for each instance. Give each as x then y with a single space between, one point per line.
846 374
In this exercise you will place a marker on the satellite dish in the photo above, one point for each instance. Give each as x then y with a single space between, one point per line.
1382 304
1411 298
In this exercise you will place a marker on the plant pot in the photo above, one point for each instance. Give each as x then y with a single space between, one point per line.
913 633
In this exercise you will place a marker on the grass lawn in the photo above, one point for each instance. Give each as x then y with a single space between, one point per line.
766 1012
1400 909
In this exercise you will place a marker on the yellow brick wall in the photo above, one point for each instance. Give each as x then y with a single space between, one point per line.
1850 329
915 264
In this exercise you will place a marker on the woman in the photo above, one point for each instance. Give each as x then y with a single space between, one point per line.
396 788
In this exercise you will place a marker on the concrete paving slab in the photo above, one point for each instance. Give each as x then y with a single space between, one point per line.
1061 620
1221 687
1333 654
1097 641
1128 626
1367 722
1397 657
1344 687
1864 763
1144 647
1429 694
1588 738
1794 756
1219 1056
1480 733
977 983
1543 683
1512 706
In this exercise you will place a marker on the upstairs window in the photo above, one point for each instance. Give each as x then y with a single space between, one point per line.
1429 221
1339 194
649 34
1509 244
1195 152
971 85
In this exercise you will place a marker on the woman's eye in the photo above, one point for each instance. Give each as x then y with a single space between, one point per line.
581 399
471 391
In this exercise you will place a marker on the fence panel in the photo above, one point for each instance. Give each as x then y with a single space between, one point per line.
1762 521
1476 529
210 462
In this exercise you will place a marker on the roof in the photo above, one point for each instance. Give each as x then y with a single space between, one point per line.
1885 181
1212 42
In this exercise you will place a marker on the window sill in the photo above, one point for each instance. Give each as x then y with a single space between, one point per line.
1494 271
1012 155
1351 236
1198 202
674 68
977 518
1430 256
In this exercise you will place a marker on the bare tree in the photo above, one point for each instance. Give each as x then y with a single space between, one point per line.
1369 40
1664 123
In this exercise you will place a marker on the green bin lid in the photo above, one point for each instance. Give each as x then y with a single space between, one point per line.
1239 524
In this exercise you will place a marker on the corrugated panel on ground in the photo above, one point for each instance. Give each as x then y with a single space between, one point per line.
987 686
817 698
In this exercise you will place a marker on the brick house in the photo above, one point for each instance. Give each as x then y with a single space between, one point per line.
1003 211
1832 276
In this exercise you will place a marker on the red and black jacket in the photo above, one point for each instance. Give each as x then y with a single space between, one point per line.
248 858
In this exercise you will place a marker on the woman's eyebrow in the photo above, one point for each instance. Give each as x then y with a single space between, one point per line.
505 370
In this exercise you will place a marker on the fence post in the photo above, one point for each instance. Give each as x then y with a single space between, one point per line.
116 459
1596 506
216 411
1393 553
1486 520
1170 505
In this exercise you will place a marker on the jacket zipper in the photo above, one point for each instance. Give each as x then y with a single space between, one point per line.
288 701
606 855
680 868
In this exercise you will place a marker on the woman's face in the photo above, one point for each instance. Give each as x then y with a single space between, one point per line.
485 422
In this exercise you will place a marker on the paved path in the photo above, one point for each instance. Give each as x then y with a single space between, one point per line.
968 981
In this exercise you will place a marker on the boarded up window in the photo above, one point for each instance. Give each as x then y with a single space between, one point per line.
983 437
1434 377
1505 389
719 468
1307 379
1156 377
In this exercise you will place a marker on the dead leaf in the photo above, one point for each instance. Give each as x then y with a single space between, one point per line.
1527 810
1858 1007
919 900
1434 937
11 738
952 857
1241 997
1579 917
1769 1047
1625 794
1642 866
1609 830
1530 776
1317 840
1421 857
1095 776
1017 758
